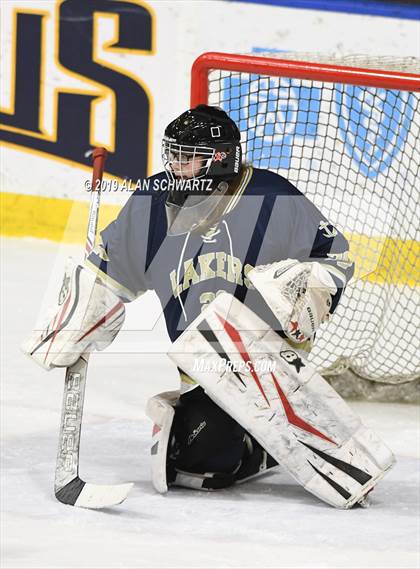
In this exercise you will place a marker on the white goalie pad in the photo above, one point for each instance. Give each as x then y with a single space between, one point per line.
160 409
275 394
299 294
86 315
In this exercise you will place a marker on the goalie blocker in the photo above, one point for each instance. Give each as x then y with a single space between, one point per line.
86 315
254 376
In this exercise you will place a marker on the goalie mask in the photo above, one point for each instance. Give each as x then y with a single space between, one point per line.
201 153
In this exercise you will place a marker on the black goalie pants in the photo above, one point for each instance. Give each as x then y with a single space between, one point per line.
204 438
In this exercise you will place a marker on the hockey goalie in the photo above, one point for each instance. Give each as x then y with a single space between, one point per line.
247 269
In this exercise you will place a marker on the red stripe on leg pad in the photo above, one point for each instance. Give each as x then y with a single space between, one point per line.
237 340
293 418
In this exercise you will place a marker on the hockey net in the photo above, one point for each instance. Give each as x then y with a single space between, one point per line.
345 132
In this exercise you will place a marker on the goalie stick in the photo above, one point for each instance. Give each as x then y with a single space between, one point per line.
69 488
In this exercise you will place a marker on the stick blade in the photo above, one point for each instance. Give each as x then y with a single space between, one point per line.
93 496
96 496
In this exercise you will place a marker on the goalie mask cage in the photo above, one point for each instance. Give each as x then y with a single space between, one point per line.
345 132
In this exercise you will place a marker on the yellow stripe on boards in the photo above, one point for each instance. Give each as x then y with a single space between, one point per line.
49 218
378 260
385 260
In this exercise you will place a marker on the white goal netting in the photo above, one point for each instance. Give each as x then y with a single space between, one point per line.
354 151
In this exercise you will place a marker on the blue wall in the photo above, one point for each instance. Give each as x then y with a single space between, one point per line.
387 8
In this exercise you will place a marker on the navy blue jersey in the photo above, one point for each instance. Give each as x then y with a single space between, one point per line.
266 220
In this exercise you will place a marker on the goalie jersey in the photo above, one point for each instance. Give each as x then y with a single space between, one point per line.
266 220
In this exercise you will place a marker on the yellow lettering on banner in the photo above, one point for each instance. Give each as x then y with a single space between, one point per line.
109 46
10 110
93 88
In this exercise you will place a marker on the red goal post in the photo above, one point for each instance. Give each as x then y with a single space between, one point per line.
278 67
345 131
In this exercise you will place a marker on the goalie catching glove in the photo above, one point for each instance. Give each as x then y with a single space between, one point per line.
87 316
299 294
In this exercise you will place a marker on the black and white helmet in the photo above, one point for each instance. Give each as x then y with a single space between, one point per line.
207 132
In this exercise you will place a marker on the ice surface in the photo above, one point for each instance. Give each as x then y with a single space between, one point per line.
271 522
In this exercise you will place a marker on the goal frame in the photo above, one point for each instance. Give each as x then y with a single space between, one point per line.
397 74
277 67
